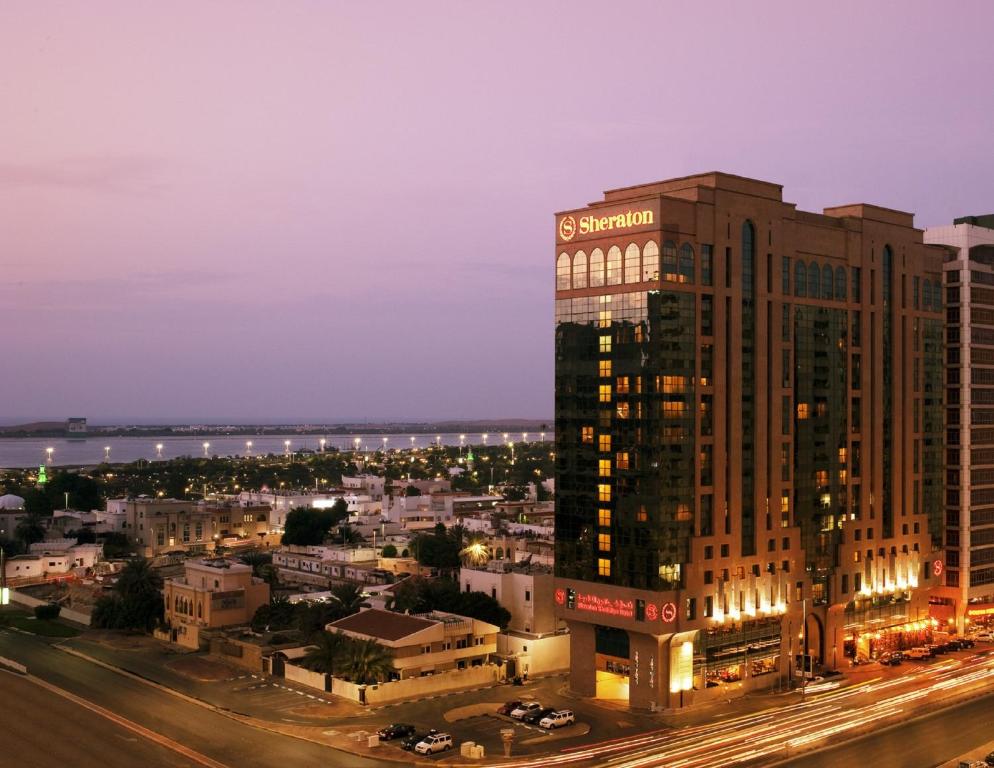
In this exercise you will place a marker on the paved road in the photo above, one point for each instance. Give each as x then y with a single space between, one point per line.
43 729
922 743
211 734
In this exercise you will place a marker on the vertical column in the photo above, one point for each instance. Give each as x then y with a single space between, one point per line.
582 652
648 681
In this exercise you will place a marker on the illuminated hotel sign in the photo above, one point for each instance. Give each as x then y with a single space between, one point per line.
624 609
980 611
603 222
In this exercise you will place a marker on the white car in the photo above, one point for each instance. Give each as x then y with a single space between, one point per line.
557 719
524 708
984 637
436 742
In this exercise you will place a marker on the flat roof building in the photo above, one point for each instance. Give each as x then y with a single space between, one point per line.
749 436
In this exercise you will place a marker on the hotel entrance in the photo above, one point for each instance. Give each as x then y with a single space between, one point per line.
613 663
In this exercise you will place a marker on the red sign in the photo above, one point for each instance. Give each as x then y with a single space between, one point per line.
560 596
567 228
651 612
937 567
669 612
617 607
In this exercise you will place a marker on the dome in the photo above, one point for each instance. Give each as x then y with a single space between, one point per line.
10 501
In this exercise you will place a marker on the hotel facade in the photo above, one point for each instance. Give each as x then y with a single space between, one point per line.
968 593
749 437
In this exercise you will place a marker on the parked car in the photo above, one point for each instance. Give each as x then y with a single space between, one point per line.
918 654
508 708
414 739
966 642
436 742
535 717
557 719
891 659
396 731
524 708
984 636
936 648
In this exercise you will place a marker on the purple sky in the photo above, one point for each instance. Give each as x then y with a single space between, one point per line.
318 210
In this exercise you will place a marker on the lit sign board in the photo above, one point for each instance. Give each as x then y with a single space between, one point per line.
606 221
619 607
980 612
937 567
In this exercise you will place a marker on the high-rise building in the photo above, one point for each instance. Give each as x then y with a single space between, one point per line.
749 437
969 292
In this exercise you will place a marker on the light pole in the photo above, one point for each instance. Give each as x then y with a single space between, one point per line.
438 440
322 441
542 435
485 436
248 447
524 437
206 448
412 442
158 450
462 442
106 453
385 439
49 451
356 441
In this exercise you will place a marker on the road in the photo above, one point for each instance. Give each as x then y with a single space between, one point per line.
209 733
923 743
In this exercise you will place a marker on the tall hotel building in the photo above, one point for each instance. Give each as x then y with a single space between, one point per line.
968 594
749 437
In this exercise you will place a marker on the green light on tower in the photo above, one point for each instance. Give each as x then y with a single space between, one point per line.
42 475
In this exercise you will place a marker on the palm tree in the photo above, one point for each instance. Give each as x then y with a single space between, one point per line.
329 652
350 535
348 597
368 661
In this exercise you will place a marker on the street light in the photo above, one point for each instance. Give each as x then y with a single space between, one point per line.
248 447
542 435
49 451
206 447
412 442
286 447
385 443
485 436
322 441
158 450
106 453
357 441
524 437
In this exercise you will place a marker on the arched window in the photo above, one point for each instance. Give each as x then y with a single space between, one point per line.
614 265
499 554
650 261
633 266
669 261
596 268
686 263
814 281
840 283
200 610
580 270
927 294
800 279
562 272
176 604
937 296
826 282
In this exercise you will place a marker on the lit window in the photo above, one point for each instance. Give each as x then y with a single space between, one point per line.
603 492
587 434
605 368
674 410
604 468
603 567
605 344
621 460
621 385
671 385
604 392
785 504
642 516
604 318
670 573
842 455
604 443
604 542
623 410
604 518
803 411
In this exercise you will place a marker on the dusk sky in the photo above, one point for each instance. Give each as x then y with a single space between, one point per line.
318 210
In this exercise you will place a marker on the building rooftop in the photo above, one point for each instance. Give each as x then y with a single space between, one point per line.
984 220
383 625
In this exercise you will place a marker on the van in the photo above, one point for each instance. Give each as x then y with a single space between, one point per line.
438 742
557 719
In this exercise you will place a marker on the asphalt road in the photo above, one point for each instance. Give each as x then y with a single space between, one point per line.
43 729
921 743
209 733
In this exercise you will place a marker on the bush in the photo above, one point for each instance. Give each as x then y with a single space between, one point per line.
390 551
48 612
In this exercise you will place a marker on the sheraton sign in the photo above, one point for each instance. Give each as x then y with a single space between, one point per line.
584 225
619 607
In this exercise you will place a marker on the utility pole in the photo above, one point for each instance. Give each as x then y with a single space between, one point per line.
804 647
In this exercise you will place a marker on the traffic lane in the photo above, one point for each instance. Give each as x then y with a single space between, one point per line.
197 727
920 743
45 729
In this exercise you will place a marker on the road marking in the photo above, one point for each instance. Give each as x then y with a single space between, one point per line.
141 730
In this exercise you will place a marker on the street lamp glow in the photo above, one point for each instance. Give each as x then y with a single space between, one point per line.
524 437
412 441
322 441
506 435
357 441
485 436
49 451
158 450
542 435
106 453
248 447
385 443
206 447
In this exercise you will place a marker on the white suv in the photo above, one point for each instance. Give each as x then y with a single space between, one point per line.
557 719
524 708
437 742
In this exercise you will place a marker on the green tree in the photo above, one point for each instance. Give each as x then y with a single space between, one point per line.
330 653
309 527
349 535
389 551
514 493
279 613
348 597
136 602
436 551
412 490
368 661
30 530
258 561
116 545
